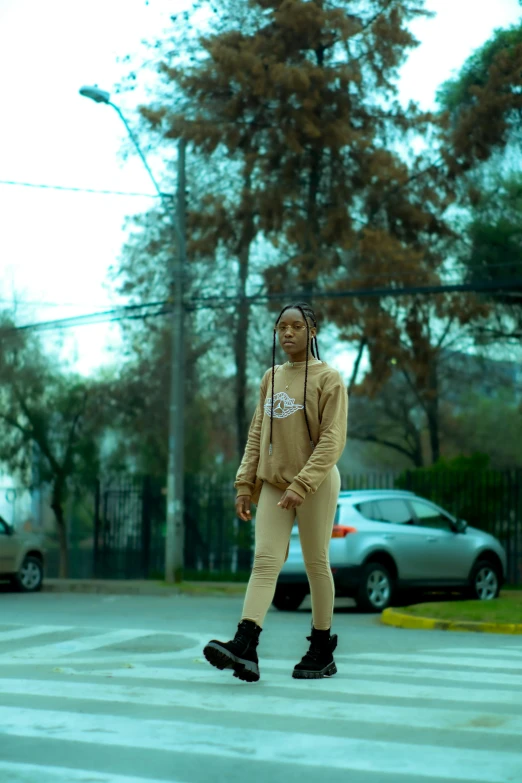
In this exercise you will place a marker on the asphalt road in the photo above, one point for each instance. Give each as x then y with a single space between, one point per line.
114 689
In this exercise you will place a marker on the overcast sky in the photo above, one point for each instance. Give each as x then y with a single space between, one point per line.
56 247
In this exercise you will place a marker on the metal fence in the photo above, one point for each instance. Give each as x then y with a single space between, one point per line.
129 529
216 541
123 521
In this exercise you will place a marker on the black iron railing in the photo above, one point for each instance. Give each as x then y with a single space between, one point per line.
127 532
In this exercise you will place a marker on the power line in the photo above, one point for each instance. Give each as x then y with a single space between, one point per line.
70 188
146 310
34 303
478 287
89 319
366 278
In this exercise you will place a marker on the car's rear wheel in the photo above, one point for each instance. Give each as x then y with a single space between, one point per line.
376 588
30 576
484 581
288 598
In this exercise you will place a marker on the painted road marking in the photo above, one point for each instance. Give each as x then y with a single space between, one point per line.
422 673
35 630
293 748
59 649
29 773
248 702
413 667
147 683
55 652
457 660
496 651
340 684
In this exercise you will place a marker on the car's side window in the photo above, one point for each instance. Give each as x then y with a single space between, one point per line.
370 510
394 510
429 516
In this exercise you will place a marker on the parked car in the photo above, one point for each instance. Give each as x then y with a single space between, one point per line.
386 541
21 558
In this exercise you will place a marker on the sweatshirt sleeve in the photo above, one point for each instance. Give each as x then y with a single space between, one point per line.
333 414
246 474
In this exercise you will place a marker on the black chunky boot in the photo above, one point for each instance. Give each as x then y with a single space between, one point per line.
239 654
318 661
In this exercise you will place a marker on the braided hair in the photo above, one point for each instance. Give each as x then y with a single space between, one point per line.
308 315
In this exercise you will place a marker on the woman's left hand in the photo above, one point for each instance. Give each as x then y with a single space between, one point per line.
290 500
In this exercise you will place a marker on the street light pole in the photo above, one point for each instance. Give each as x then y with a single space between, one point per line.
174 540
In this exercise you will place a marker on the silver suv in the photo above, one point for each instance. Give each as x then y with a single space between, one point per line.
385 541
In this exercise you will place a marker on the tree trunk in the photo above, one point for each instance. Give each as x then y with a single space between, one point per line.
433 428
241 344
312 236
416 451
353 380
242 322
57 507
433 412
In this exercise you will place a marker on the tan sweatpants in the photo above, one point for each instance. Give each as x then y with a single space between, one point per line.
273 526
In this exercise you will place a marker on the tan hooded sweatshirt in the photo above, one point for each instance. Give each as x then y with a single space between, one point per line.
294 464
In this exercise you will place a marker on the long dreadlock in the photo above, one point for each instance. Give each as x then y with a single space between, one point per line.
308 315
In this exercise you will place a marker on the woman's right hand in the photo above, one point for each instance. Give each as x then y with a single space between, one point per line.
243 507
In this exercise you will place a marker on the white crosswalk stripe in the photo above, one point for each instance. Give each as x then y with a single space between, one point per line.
29 773
497 652
473 663
379 687
246 702
26 633
262 745
455 675
448 714
58 650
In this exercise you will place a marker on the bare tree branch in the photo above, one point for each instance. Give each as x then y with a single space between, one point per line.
389 443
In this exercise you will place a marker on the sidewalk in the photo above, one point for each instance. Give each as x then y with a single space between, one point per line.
141 587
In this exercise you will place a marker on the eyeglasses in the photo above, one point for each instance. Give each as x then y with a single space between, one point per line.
281 328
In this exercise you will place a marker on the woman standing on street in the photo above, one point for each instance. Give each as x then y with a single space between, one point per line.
296 437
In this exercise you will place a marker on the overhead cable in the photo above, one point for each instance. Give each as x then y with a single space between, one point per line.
146 310
46 186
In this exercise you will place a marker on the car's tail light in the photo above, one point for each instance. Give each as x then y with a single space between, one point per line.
341 531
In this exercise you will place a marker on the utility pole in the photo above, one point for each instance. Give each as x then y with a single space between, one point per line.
174 539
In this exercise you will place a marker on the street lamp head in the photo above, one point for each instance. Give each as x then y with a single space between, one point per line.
95 94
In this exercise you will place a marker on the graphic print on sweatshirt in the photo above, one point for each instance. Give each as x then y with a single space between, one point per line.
284 406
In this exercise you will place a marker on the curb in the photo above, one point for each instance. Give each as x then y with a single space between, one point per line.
402 620
124 587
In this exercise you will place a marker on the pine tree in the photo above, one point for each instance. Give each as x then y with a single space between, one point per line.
349 187
483 102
